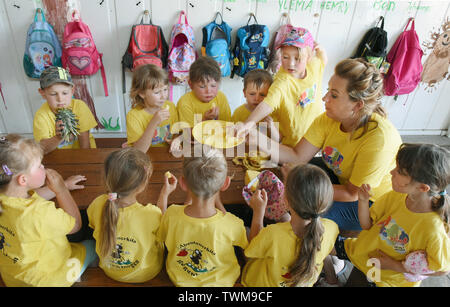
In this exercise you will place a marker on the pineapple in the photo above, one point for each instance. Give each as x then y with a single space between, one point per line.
70 122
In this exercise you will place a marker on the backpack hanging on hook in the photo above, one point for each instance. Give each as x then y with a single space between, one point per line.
275 53
251 48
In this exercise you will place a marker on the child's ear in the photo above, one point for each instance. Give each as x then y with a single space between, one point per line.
190 83
424 187
182 183
21 180
226 184
42 92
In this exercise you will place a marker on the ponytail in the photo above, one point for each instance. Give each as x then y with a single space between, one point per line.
441 205
109 225
309 193
304 269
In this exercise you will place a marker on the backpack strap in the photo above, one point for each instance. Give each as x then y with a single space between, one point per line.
411 19
102 70
185 18
3 97
254 17
41 12
146 13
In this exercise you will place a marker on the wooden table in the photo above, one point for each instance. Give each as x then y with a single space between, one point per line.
89 162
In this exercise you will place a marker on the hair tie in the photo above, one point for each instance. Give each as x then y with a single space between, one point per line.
7 170
112 196
3 140
314 215
443 193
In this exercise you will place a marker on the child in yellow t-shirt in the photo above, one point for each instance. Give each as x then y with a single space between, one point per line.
35 250
292 253
152 116
256 86
200 239
57 89
296 91
124 229
412 218
204 102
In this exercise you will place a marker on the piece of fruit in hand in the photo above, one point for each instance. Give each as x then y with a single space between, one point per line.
71 125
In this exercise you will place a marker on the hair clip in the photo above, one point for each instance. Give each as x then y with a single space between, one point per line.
3 140
443 193
7 170
112 196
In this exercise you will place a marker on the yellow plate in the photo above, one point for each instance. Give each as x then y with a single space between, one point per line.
214 134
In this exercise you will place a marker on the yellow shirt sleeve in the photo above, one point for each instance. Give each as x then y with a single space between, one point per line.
240 114
185 108
317 132
44 123
224 107
85 117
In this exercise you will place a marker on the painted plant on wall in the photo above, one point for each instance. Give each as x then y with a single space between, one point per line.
56 14
435 68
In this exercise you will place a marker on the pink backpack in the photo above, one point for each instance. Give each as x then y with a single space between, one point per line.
80 55
405 59
182 50
275 54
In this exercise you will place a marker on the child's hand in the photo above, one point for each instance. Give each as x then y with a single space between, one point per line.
161 115
170 183
212 113
267 119
71 182
54 181
320 52
59 127
175 146
258 202
364 193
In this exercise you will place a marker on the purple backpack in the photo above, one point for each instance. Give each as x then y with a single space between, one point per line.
405 58
182 51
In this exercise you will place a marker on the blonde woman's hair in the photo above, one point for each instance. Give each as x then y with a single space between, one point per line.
125 171
16 155
205 175
146 77
309 193
365 84
259 77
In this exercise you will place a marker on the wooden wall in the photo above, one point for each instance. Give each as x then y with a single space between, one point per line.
337 25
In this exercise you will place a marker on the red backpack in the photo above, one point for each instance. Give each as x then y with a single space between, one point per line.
405 58
79 53
147 46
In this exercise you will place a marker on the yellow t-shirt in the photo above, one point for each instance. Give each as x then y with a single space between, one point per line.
274 250
200 251
138 256
34 247
44 123
397 231
189 106
241 114
365 160
138 120
296 102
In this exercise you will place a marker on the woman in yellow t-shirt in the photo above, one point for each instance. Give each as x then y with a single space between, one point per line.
292 253
124 229
34 247
152 116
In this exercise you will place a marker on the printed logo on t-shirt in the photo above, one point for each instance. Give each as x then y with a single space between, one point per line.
5 245
307 96
160 134
121 258
193 258
70 143
286 278
394 235
333 159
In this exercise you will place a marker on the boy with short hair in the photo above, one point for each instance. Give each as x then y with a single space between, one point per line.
256 86
205 98
57 89
200 239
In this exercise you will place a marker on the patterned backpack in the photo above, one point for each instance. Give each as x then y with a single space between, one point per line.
182 51
275 53
42 47
251 48
217 44
80 55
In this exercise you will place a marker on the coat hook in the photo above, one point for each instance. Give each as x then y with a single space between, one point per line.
228 8
191 4
101 2
16 6
138 3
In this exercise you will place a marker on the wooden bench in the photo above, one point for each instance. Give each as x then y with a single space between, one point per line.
89 162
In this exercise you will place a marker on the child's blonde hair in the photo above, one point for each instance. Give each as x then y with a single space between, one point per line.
204 69
259 77
302 52
429 164
146 77
125 171
205 175
16 155
309 193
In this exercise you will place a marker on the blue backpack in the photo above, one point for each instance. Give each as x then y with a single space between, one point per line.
42 47
217 44
251 48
